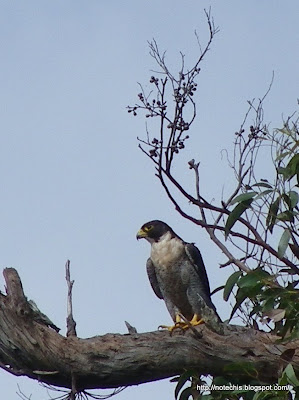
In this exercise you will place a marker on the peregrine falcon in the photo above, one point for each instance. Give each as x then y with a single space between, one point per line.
178 276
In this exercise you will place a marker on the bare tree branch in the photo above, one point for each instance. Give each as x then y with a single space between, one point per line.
70 322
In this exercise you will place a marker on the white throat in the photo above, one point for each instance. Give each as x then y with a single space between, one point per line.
167 250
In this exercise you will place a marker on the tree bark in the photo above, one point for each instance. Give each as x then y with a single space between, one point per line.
29 346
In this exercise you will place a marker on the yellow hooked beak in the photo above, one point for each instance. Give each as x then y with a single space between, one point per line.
141 234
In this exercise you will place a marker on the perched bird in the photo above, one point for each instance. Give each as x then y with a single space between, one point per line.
178 276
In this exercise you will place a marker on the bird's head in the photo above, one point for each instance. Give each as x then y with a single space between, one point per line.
152 231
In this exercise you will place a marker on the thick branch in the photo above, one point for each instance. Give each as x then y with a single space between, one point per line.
31 348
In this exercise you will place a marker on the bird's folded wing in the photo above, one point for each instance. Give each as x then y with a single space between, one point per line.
151 273
195 257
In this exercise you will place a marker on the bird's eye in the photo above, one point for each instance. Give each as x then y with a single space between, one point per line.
148 228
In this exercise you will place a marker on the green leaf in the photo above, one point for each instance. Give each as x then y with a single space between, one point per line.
295 250
259 396
293 166
286 216
276 315
294 198
220 381
235 215
290 373
271 217
230 283
287 199
185 377
283 242
293 336
291 199
262 184
286 131
242 197
240 298
252 278
186 393
283 380
262 194
237 366
291 169
285 172
282 155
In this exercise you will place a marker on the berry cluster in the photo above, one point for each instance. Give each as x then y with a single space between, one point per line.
183 90
176 146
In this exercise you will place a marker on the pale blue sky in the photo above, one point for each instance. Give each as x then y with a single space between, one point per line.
73 182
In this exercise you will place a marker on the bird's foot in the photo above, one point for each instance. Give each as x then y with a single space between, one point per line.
177 325
183 324
196 320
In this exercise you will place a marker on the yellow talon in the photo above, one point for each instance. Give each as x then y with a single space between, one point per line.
179 324
196 320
